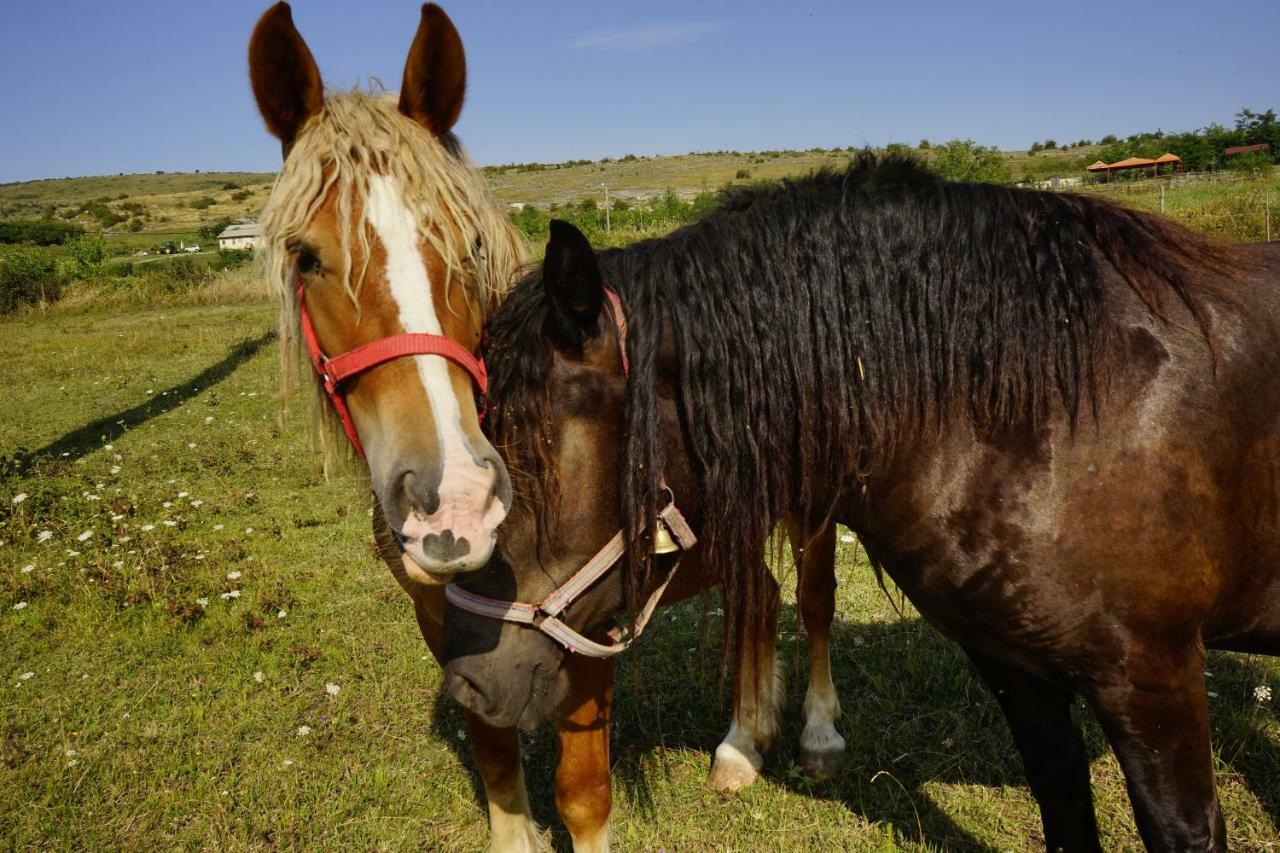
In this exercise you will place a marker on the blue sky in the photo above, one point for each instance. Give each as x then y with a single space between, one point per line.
99 88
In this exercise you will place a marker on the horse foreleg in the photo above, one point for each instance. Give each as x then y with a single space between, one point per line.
584 794
814 550
496 751
1053 753
1156 716
739 757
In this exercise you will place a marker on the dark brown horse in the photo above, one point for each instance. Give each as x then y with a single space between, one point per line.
1051 420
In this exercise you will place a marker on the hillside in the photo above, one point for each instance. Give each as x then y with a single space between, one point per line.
179 203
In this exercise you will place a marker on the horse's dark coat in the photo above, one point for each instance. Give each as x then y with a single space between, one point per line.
1052 421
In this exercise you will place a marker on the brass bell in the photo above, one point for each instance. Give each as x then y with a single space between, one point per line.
662 541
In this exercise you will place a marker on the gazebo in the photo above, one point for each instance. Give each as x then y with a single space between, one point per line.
1130 163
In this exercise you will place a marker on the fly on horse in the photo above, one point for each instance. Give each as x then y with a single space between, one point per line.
386 252
1054 422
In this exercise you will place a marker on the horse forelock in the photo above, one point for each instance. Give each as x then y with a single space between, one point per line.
356 136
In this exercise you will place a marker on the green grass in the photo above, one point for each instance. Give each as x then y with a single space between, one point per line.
143 725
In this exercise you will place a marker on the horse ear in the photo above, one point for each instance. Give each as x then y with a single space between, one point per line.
435 74
286 81
574 288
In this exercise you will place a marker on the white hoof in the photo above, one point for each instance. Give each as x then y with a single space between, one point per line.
734 768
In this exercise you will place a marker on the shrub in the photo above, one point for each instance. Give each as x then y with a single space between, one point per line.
743 174
38 231
1050 143
231 185
211 230
242 195
87 255
964 160
204 202
28 276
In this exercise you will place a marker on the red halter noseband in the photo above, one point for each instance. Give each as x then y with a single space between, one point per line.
332 371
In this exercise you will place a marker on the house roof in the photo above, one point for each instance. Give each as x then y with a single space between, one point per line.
1168 158
1132 162
1096 167
1244 149
244 229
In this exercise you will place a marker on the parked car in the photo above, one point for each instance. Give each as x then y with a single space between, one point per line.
192 248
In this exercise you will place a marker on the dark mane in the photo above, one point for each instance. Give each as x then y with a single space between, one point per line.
821 322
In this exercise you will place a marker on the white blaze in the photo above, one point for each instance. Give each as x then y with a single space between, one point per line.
410 287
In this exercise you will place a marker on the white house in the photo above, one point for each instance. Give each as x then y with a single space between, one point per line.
242 236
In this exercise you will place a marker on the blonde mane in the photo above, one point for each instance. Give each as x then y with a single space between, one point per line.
356 135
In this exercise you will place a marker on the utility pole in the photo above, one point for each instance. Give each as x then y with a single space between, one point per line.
607 225
1162 198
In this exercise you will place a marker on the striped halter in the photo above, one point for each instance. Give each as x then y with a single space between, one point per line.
545 615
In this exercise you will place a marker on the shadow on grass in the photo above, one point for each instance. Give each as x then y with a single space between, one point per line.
915 714
93 435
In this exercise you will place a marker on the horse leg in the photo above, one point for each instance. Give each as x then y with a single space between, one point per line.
1156 716
739 756
496 751
821 746
1053 753
584 794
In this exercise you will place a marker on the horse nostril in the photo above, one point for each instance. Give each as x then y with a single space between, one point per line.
414 495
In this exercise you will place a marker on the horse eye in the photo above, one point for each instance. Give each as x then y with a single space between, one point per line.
308 263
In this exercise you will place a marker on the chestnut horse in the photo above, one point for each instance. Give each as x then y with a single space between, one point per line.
386 252
1053 421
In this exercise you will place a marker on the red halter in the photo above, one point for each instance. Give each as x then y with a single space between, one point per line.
332 371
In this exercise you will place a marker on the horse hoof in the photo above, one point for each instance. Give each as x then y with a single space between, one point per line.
821 766
732 770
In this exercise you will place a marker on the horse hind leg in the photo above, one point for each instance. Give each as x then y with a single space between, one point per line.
822 749
740 756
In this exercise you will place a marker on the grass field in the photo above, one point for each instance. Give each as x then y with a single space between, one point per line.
203 652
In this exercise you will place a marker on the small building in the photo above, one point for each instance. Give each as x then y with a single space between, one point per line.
242 236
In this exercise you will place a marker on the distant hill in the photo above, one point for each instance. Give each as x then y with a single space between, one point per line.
180 202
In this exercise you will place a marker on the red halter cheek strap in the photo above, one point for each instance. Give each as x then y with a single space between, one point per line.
332 371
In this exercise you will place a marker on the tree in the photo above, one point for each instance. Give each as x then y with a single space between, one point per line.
965 160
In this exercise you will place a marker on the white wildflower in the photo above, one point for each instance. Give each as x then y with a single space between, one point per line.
1262 693
248 530
147 527
233 576
303 731
19 497
203 602
259 676
846 538
21 605
182 495
169 522
234 593
288 762
44 536
27 676
197 503
208 419
218 526
332 689
191 445
281 614
167 504
115 469
28 568
84 537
